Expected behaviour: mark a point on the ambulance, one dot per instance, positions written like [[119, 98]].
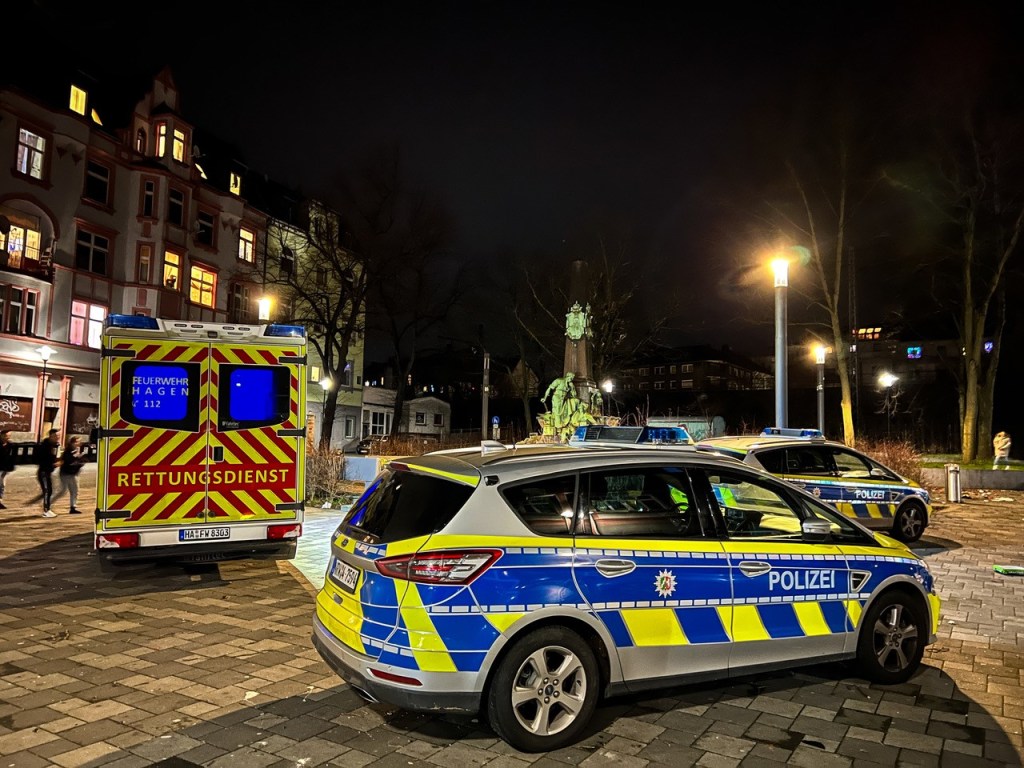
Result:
[[201, 440]]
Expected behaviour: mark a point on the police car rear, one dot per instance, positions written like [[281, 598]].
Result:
[[528, 583]]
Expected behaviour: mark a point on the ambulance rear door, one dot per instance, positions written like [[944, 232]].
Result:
[[153, 451], [257, 431]]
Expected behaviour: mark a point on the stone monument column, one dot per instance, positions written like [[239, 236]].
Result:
[[578, 333]]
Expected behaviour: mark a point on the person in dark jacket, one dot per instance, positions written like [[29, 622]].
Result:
[[6, 461], [71, 462], [46, 461]]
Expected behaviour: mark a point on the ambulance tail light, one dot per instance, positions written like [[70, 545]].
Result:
[[292, 531], [117, 541], [453, 567]]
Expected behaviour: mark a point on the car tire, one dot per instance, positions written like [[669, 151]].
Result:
[[909, 523], [544, 690], [892, 638]]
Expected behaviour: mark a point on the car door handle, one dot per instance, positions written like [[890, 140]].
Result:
[[754, 568], [613, 568]]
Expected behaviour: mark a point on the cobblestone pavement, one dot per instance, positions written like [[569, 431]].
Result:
[[212, 665]]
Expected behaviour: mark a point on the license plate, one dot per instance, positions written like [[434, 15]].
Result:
[[345, 575], [203, 534]]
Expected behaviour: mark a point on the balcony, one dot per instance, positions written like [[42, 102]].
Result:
[[21, 262]]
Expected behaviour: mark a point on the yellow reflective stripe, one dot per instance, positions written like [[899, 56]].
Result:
[[428, 648], [934, 603], [747, 624], [343, 621], [875, 510], [502, 621], [471, 480], [653, 626], [812, 620], [853, 610]]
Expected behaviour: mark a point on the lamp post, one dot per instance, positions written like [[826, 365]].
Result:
[[887, 379], [780, 267], [263, 307], [607, 386], [819, 360], [45, 352], [326, 384]]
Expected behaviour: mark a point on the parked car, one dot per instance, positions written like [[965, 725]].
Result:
[[527, 583], [854, 483]]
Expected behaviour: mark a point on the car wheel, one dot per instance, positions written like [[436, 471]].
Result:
[[909, 523], [892, 638], [544, 690]]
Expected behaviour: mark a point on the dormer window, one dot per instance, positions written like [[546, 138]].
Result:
[[179, 145], [161, 139], [140, 141], [235, 184], [78, 100]]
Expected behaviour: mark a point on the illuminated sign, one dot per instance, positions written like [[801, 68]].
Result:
[[159, 392]]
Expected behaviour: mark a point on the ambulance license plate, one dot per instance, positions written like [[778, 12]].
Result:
[[203, 534], [345, 575]]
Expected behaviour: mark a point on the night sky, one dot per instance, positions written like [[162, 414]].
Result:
[[537, 122]]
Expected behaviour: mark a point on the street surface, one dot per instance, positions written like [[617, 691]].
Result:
[[213, 665]]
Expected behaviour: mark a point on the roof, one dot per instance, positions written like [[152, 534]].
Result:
[[746, 443]]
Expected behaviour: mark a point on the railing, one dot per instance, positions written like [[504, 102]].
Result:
[[18, 262]]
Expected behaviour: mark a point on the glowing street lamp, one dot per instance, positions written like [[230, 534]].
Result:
[[326, 385], [608, 386], [45, 352], [780, 268], [886, 380], [263, 306]]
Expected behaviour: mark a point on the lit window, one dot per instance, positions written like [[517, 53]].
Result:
[[97, 182], [205, 227], [91, 252], [140, 141], [95, 117], [202, 173], [161, 139], [86, 323], [172, 267], [145, 266], [178, 150], [22, 246], [421, 418], [246, 244], [31, 152], [314, 373], [176, 207], [913, 353], [78, 99], [203, 287], [236, 184]]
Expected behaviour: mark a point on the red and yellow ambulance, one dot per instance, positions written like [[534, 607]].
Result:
[[201, 446]]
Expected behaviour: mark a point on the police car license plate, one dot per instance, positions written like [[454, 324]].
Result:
[[203, 534], [345, 575]]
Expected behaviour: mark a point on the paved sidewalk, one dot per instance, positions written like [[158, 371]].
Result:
[[212, 665]]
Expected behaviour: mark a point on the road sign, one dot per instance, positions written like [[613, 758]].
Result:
[[495, 421]]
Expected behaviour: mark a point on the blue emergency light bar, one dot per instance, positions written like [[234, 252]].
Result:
[[631, 435], [285, 330], [791, 432], [139, 322]]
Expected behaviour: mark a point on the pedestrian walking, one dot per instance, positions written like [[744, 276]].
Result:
[[6, 461], [46, 461], [71, 462], [1001, 446]]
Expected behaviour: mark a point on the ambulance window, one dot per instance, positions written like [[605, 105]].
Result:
[[253, 396], [158, 394]]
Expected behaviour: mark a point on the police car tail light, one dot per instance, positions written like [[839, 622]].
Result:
[[454, 567], [292, 531], [117, 541]]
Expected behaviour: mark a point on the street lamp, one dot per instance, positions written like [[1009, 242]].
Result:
[[819, 358], [263, 307], [886, 380], [45, 352], [608, 386], [326, 384], [780, 267]]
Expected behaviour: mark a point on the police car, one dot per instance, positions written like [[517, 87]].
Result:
[[528, 583], [855, 484]]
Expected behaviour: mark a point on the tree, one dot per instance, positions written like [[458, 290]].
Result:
[[322, 284]]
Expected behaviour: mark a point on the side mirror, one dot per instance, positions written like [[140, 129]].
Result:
[[815, 530], [881, 474]]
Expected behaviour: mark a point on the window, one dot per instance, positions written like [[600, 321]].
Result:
[[246, 244], [321, 277], [659, 385], [639, 503], [645, 385], [97, 183], [161, 139], [140, 141], [91, 252], [253, 396], [86, 323], [773, 461], [314, 373], [686, 384], [178, 148], [546, 506], [78, 99], [235, 184], [645, 371], [172, 269], [377, 423], [350, 427], [144, 267], [346, 374], [807, 461], [203, 286], [659, 369], [22, 246], [673, 384], [163, 395], [913, 353], [421, 419], [239, 305], [752, 508], [850, 464], [438, 419], [205, 227], [287, 260], [688, 368], [176, 207], [148, 198], [31, 153], [671, 369]]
